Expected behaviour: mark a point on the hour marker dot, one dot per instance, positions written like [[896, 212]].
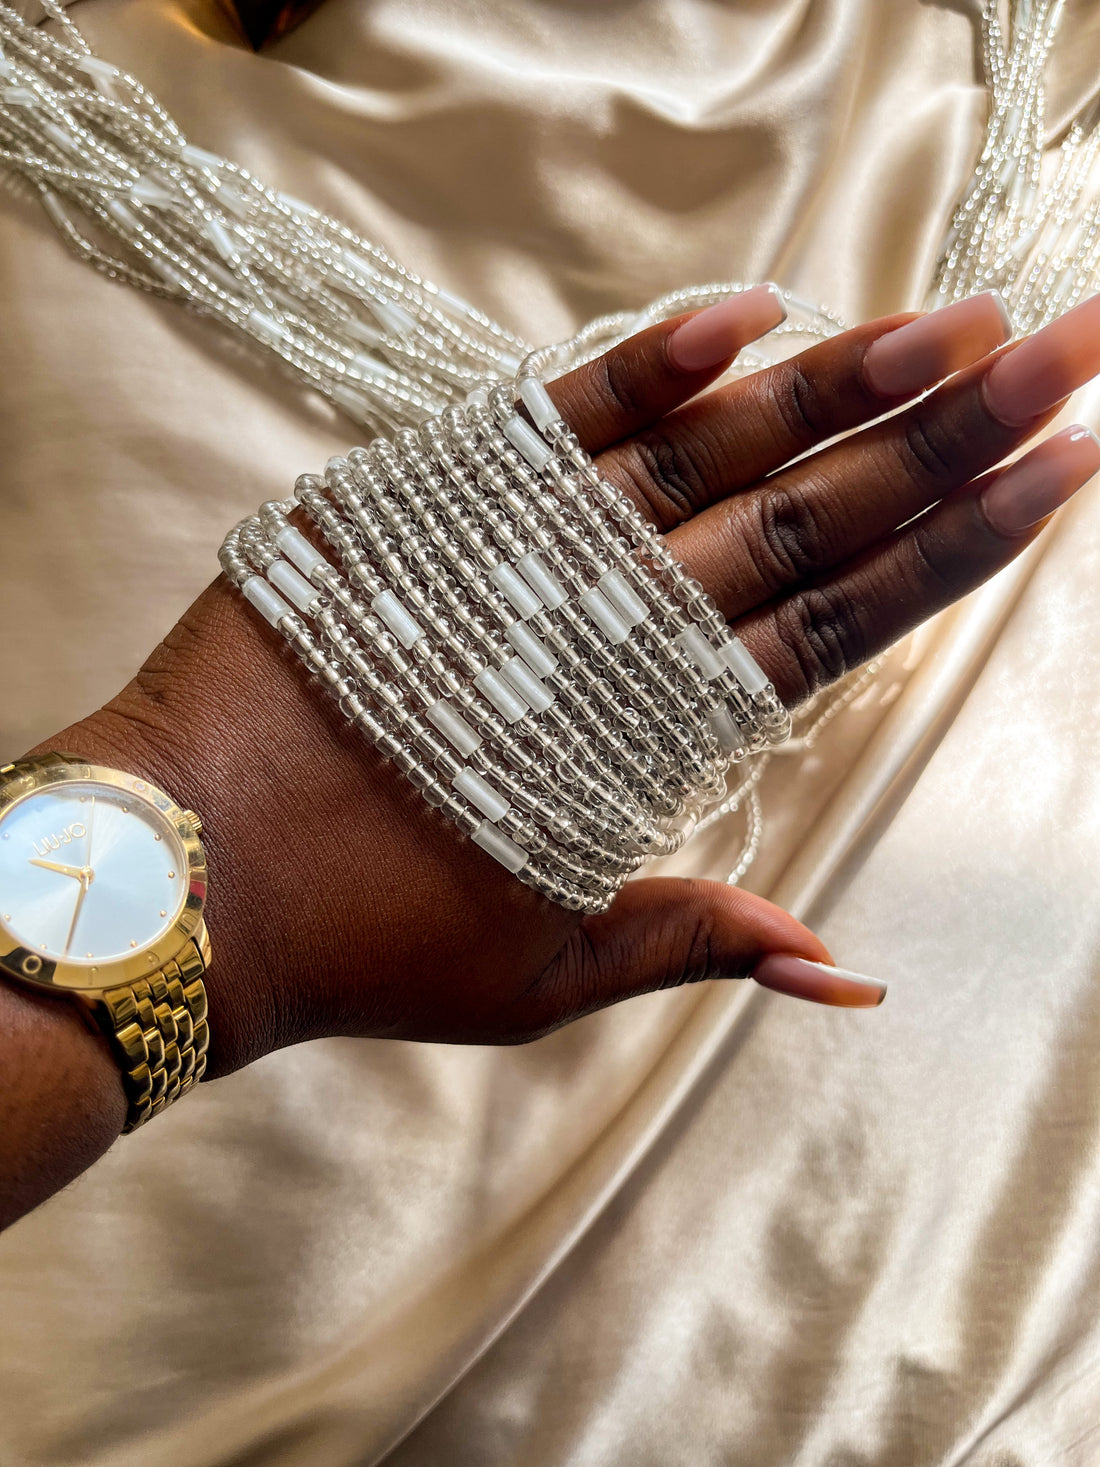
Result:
[[156, 837], [170, 875], [133, 942], [89, 955], [125, 809], [7, 916], [83, 799], [7, 835], [163, 911]]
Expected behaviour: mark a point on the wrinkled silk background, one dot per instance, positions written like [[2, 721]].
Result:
[[710, 1227]]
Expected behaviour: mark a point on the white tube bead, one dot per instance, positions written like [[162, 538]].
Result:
[[266, 600], [230, 199], [267, 327], [120, 214], [225, 278], [297, 548], [292, 584], [515, 589], [538, 403], [394, 318], [531, 649], [493, 841], [296, 206], [5, 66], [221, 239], [478, 397], [502, 695], [481, 794], [527, 684], [55, 209], [363, 331], [358, 266], [405, 628], [454, 302], [542, 580], [103, 75], [149, 191], [523, 437], [696, 646], [453, 727], [600, 609], [63, 139], [353, 403], [171, 274], [744, 666], [623, 597], [510, 363], [200, 158], [725, 730], [368, 365], [18, 96]]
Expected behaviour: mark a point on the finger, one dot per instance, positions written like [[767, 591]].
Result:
[[743, 431], [823, 511], [810, 639], [664, 932], [651, 373]]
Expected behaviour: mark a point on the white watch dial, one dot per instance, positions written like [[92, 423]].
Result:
[[88, 873]]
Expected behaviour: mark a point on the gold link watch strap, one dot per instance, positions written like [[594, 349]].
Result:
[[157, 1028]]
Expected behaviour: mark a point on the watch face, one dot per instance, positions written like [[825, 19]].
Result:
[[89, 873]]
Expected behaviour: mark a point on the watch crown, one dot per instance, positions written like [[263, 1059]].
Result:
[[195, 821]]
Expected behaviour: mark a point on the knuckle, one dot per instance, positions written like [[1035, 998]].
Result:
[[935, 578], [669, 475], [788, 535], [565, 989], [615, 380], [925, 448], [805, 409], [693, 961], [822, 631]]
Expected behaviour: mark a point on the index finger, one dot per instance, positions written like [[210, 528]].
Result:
[[643, 378]]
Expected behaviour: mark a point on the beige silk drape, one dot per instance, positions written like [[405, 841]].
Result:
[[710, 1226]]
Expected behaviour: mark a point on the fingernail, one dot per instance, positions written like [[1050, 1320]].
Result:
[[927, 350], [1036, 484], [1046, 367], [718, 333], [818, 982]]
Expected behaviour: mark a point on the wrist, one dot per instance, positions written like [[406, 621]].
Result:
[[164, 727]]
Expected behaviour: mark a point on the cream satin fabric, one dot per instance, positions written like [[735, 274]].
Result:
[[711, 1226]]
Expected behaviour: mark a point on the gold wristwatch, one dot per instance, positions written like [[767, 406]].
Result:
[[102, 888]]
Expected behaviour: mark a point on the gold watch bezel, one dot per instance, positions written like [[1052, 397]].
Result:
[[27, 966]]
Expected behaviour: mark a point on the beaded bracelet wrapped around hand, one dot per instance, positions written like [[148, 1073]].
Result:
[[511, 633]]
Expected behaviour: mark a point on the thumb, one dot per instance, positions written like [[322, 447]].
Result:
[[666, 931]]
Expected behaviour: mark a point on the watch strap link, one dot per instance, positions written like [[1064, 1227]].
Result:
[[158, 1030]]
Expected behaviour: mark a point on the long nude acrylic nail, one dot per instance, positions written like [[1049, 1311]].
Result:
[[718, 333], [923, 352], [818, 982], [1036, 484], [1046, 367]]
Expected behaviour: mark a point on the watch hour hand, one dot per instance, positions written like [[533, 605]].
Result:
[[77, 871]]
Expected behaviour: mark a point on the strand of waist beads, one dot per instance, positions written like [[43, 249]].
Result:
[[508, 630]]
